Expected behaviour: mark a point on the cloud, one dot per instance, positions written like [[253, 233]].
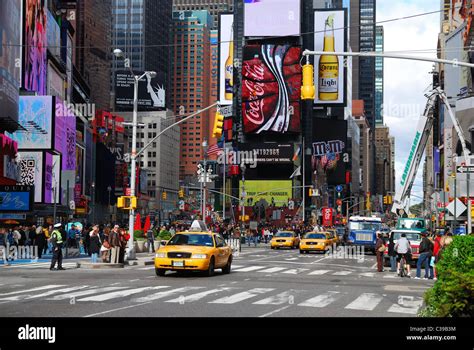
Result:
[[405, 82]]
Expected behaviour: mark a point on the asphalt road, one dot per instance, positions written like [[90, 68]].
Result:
[[263, 283]]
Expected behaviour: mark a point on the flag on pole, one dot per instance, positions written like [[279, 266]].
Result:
[[297, 153], [297, 172], [213, 150]]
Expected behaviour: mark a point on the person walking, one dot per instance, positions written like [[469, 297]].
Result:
[[426, 251], [436, 251], [94, 244], [392, 253], [105, 249], [151, 240], [57, 244], [40, 241], [380, 250], [255, 237], [123, 237], [266, 234], [403, 250], [114, 241]]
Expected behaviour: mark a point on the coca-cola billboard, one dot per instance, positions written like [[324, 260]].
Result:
[[271, 85], [328, 214]]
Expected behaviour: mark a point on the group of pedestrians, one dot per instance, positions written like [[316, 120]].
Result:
[[430, 252], [27, 236]]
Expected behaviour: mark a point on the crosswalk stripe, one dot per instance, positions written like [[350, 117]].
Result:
[[51, 292], [241, 296], [390, 276], [250, 268], [282, 298], [319, 272], [367, 274], [322, 300], [342, 273], [120, 294], [85, 292], [164, 294], [50, 286], [273, 269], [198, 296], [146, 268], [295, 271], [409, 305], [236, 266], [366, 301]]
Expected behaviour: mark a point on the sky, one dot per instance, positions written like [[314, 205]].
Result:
[[405, 82]]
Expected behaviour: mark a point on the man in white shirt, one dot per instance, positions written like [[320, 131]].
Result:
[[403, 249]]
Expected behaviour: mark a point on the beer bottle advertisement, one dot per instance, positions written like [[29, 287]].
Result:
[[329, 38], [226, 59], [229, 69]]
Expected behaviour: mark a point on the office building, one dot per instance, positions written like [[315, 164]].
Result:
[[379, 47], [214, 7]]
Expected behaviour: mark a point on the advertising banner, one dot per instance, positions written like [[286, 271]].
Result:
[[329, 70], [53, 35], [226, 59], [329, 149], [270, 153], [151, 94], [35, 41], [10, 62], [16, 198], [272, 18], [65, 135], [273, 192], [36, 116], [327, 214], [31, 168], [271, 85]]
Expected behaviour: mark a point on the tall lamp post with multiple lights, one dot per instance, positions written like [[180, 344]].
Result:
[[133, 157]]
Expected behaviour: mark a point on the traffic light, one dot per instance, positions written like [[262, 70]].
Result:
[[218, 125], [307, 89], [390, 199], [120, 202], [127, 202], [164, 196], [181, 193], [311, 192], [385, 199]]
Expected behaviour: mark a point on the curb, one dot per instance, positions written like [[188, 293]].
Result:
[[99, 265]]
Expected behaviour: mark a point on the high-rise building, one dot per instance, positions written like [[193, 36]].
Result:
[[379, 47], [191, 83], [384, 161], [215, 7], [366, 145], [141, 29]]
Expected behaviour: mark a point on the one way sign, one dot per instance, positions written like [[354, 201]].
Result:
[[465, 169]]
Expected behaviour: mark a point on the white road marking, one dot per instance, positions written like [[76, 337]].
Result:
[[113, 310], [367, 274], [295, 271], [241, 296], [291, 259], [319, 272], [408, 305], [342, 273], [322, 300], [51, 292], [85, 292], [279, 299], [164, 294], [198, 296], [236, 267], [366, 301], [275, 311], [273, 269], [374, 266], [250, 268], [50, 286], [146, 268], [120, 294], [390, 276]]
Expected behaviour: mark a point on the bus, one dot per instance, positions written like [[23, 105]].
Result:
[[363, 231], [413, 224]]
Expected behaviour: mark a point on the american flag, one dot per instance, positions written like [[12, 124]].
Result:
[[213, 150]]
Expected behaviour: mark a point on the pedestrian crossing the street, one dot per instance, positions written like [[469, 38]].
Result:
[[219, 296]]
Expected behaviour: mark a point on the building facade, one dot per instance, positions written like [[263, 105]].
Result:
[[384, 161], [379, 47], [215, 7]]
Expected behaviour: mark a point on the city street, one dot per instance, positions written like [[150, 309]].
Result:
[[263, 283]]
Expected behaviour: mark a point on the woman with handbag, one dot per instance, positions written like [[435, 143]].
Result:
[[105, 249], [380, 250], [94, 243]]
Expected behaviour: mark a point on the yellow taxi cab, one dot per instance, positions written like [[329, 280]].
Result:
[[287, 239], [315, 241], [333, 235], [194, 250]]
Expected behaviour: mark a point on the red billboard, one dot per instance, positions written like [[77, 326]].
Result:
[[328, 214], [271, 83]]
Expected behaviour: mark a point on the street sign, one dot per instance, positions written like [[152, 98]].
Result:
[[339, 202], [465, 169], [339, 188], [456, 206], [128, 191]]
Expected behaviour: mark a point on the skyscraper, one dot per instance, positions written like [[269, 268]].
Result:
[[141, 29], [191, 83], [379, 47], [215, 7]]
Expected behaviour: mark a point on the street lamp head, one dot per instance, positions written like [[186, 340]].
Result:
[[204, 143], [118, 53], [151, 74]]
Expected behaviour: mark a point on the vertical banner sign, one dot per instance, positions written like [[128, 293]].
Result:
[[327, 216], [271, 85], [226, 59], [329, 73]]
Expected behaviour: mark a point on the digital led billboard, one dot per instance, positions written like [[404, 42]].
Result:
[[65, 135], [16, 198], [273, 192], [226, 59], [31, 172]]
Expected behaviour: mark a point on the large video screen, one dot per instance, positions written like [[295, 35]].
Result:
[[271, 85], [329, 70], [273, 192], [226, 59], [65, 135], [272, 18], [36, 43], [329, 148]]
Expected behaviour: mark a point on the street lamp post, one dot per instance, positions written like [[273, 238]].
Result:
[[93, 202], [243, 167], [109, 189], [133, 157], [203, 198]]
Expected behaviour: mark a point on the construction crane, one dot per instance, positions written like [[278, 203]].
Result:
[[425, 125]]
